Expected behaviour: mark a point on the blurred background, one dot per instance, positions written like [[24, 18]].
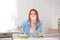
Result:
[[14, 12]]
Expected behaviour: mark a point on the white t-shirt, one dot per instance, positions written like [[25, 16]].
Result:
[[31, 31]]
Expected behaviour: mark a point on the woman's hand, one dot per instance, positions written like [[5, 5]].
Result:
[[41, 34]]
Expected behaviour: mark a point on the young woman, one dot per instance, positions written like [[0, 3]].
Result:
[[32, 26]]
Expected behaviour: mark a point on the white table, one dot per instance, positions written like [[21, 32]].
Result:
[[51, 38], [15, 37]]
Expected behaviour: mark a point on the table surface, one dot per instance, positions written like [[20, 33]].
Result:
[[50, 38]]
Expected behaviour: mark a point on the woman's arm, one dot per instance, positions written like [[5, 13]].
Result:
[[22, 27], [39, 29]]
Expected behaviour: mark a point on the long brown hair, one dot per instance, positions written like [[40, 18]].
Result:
[[36, 14]]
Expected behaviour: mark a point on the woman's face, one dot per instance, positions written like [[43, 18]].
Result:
[[33, 15]]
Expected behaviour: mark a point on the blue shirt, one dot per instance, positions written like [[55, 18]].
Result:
[[26, 28]]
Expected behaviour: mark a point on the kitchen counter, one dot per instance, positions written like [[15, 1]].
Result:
[[50, 38]]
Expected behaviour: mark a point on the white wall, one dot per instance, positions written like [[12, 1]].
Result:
[[55, 12]]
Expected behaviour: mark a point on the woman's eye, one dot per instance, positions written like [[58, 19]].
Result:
[[31, 14]]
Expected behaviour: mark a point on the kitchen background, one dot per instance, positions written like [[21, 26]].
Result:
[[13, 12]]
